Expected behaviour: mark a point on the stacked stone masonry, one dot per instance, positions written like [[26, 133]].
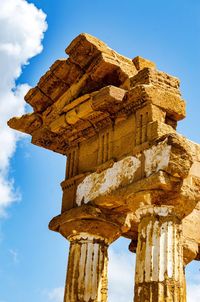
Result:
[[128, 172]]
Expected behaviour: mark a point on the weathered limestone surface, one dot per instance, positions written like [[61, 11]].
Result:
[[90, 231], [87, 269], [115, 120], [159, 264]]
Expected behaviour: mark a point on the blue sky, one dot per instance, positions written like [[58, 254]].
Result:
[[33, 259]]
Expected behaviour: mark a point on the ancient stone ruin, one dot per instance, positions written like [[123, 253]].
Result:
[[128, 173]]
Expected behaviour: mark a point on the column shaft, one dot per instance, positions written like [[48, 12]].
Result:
[[87, 269], [159, 261]]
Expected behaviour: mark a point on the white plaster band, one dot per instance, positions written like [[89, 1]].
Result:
[[87, 238], [123, 173], [99, 184], [162, 211], [157, 157]]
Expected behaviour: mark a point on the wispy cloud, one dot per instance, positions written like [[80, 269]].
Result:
[[121, 275], [193, 292], [121, 271], [22, 27], [15, 256], [193, 281], [121, 278], [56, 294]]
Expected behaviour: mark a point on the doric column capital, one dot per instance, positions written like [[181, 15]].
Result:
[[91, 220], [83, 237], [160, 211]]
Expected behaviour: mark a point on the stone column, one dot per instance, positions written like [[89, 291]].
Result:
[[159, 257], [90, 232], [87, 269]]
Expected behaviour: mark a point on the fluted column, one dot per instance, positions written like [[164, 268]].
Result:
[[87, 269], [90, 232], [159, 257]]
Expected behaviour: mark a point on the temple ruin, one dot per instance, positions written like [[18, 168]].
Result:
[[128, 172]]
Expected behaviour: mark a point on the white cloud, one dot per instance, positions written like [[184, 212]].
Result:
[[193, 292], [15, 256], [193, 281], [56, 294], [121, 271], [121, 277], [22, 27]]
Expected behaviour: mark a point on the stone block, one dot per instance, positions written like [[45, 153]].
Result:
[[27, 123], [52, 86], [37, 99], [66, 71], [169, 102], [107, 98], [141, 63]]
